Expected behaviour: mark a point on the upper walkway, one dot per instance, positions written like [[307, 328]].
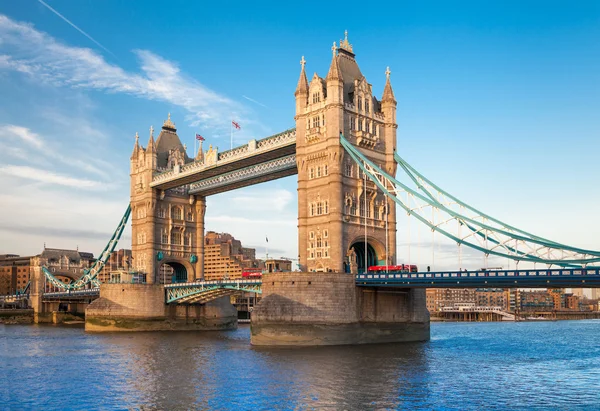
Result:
[[258, 161]]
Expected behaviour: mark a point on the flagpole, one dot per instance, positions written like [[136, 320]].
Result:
[[194, 153], [231, 129]]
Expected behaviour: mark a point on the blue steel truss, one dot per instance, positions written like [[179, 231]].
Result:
[[90, 276], [447, 215], [201, 292], [548, 278]]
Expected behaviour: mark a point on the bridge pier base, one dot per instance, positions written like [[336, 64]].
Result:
[[306, 309], [141, 307]]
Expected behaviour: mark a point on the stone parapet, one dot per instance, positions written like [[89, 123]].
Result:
[[300, 309]]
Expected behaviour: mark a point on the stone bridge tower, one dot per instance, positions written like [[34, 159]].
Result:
[[334, 202], [167, 226]]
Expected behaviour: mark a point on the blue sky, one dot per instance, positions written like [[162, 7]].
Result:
[[498, 102]]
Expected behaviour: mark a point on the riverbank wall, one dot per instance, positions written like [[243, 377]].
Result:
[[16, 316]]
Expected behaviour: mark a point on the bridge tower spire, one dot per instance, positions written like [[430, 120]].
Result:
[[335, 205], [302, 88]]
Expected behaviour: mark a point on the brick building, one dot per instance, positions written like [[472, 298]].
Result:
[[120, 260], [225, 256], [15, 272]]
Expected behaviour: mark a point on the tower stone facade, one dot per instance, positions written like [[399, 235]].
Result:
[[167, 225], [335, 202]]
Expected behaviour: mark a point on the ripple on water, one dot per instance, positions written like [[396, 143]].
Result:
[[465, 366]]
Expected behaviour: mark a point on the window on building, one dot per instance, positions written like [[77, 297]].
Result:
[[312, 209], [161, 212], [352, 125], [326, 207], [325, 170], [326, 253], [360, 103], [323, 120], [176, 213], [360, 125], [312, 235], [367, 106], [164, 237], [176, 238], [348, 169], [352, 209], [319, 208], [325, 233], [318, 254], [312, 173], [374, 129]]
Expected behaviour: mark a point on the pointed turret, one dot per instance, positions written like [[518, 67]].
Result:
[[136, 146], [334, 69], [388, 93], [200, 154], [302, 87], [151, 145]]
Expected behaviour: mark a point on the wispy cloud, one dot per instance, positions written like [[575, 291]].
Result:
[[44, 176], [254, 101], [75, 27], [35, 141], [40, 56]]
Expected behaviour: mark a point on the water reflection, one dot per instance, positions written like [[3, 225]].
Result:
[[464, 366]]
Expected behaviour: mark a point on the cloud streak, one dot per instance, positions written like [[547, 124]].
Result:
[[45, 176], [33, 140], [75, 27], [254, 101], [40, 56]]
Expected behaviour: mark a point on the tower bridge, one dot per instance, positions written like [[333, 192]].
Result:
[[343, 150]]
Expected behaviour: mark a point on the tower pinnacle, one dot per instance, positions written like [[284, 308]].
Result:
[[345, 44], [388, 93], [302, 81], [136, 146], [334, 70]]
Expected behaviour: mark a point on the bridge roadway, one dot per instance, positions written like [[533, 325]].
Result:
[[199, 292], [544, 278]]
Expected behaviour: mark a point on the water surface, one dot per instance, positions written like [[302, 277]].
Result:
[[465, 366]]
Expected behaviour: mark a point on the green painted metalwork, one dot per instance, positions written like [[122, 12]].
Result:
[[205, 291], [90, 275], [519, 255]]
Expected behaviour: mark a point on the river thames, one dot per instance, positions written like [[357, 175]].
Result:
[[465, 366]]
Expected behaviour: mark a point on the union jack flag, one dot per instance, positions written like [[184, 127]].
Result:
[[199, 137], [236, 125]]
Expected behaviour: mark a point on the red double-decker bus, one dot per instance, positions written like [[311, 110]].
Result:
[[402, 268], [252, 273]]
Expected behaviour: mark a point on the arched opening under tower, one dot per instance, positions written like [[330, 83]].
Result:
[[173, 272], [359, 250]]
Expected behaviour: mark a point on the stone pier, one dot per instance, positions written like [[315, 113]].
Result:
[[141, 307], [303, 309]]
